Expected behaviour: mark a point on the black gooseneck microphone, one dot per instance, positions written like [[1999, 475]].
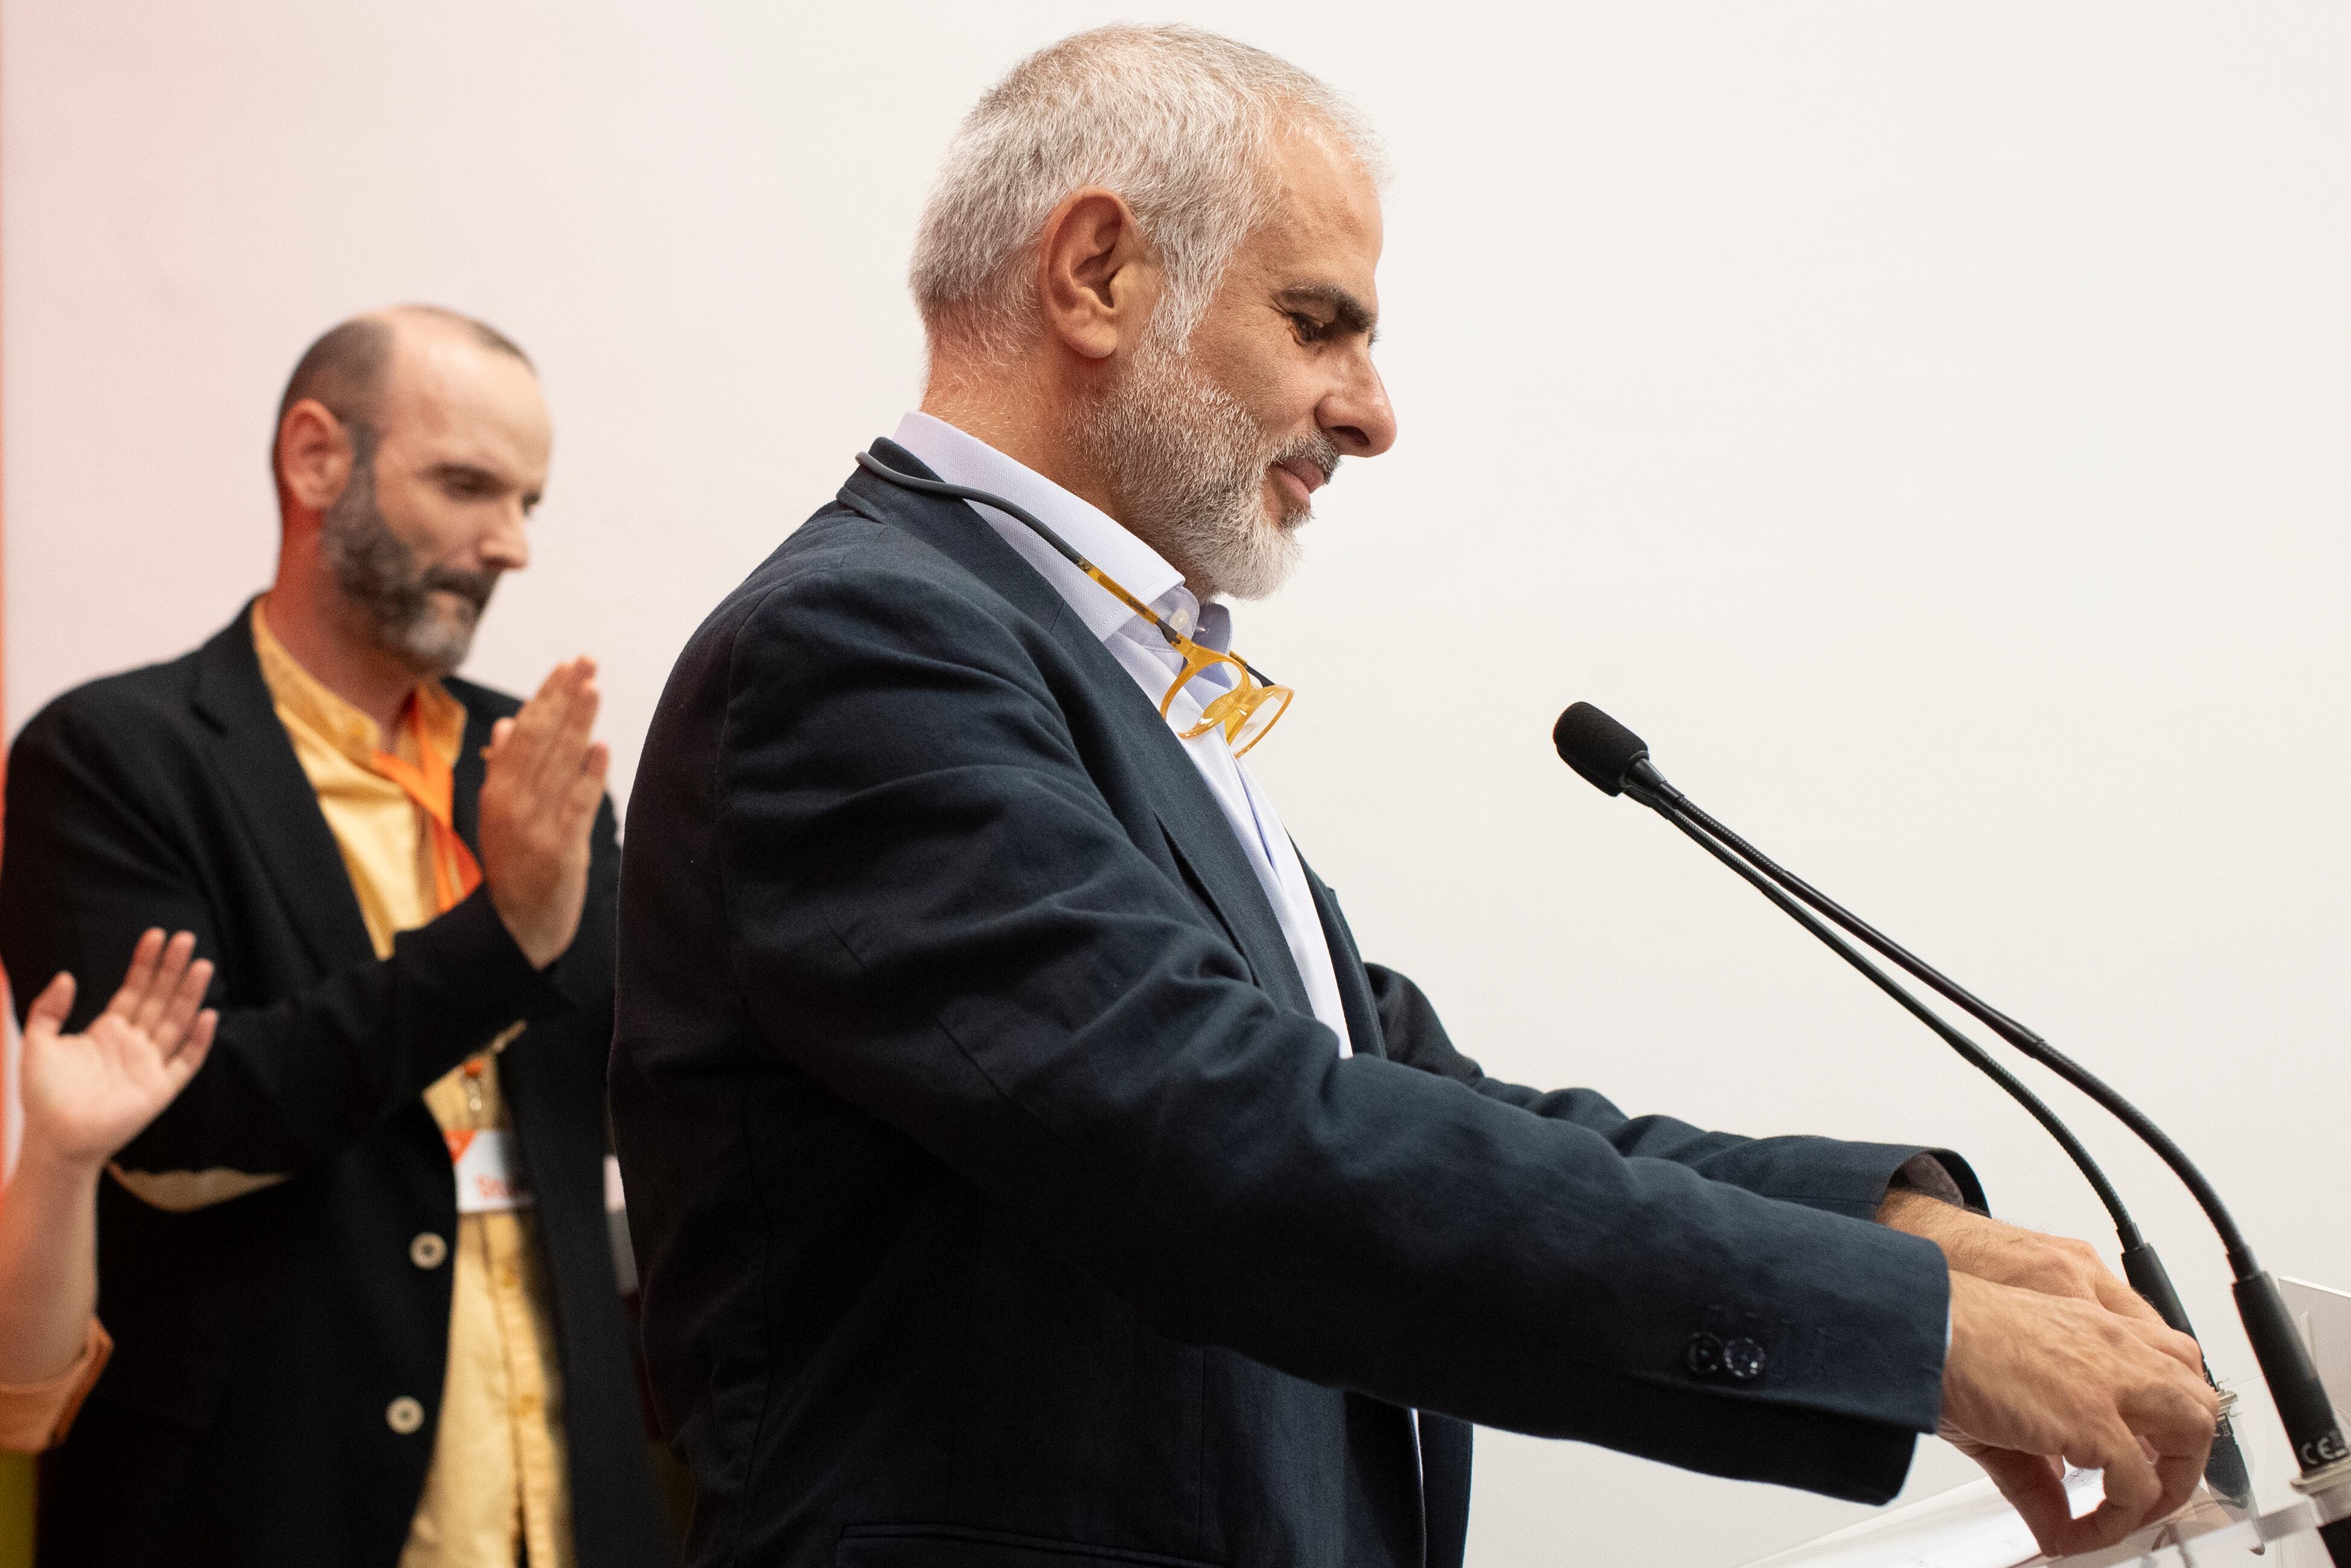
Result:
[[1613, 760], [1616, 760]]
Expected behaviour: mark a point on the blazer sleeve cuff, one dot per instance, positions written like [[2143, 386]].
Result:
[[468, 955], [1853, 1179], [582, 977]]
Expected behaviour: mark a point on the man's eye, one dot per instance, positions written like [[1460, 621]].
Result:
[[1309, 329]]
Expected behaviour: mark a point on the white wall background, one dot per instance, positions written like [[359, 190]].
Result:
[[1926, 424]]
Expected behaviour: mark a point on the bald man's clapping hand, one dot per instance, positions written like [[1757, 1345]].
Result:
[[544, 778]]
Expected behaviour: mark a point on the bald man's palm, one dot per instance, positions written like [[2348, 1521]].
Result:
[[544, 779]]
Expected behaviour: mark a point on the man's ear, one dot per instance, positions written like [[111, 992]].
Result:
[[314, 455], [1098, 280]]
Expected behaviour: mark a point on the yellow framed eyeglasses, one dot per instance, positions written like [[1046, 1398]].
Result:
[[1234, 694]]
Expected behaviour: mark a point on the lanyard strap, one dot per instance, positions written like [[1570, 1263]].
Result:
[[432, 783]]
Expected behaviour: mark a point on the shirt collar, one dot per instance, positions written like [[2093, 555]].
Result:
[[964, 459], [295, 691]]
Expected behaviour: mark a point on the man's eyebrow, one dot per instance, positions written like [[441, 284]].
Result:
[[471, 472], [1347, 312]]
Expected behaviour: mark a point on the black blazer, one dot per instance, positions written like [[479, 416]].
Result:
[[259, 1341], [1001, 1203]]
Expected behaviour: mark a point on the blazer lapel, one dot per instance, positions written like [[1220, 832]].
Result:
[[1202, 839], [1195, 824], [1355, 985], [259, 771]]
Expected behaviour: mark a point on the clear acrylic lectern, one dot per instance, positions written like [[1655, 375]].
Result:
[[1973, 1527]]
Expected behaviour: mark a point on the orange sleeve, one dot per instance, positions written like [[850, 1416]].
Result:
[[36, 1415]]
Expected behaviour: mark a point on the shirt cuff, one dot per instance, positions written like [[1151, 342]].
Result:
[[1925, 1173], [37, 1416]]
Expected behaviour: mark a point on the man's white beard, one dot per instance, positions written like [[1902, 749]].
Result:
[[1188, 464]]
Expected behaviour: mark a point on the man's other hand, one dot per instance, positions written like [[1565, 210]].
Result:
[[2010, 1255], [88, 1095], [2034, 1382], [543, 780]]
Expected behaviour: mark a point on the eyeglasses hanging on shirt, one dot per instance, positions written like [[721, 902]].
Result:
[[1245, 710]]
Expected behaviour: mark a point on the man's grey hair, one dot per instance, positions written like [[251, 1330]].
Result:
[[1174, 120]]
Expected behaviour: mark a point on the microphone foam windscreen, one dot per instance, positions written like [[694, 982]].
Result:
[[1596, 746]]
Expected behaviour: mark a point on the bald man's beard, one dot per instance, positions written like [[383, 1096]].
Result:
[[423, 616], [1188, 464]]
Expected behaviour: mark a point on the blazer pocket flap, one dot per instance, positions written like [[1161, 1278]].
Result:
[[957, 1546]]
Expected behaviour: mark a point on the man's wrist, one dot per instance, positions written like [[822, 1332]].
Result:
[[1904, 1207], [524, 931]]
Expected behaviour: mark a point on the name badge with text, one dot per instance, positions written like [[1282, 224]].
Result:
[[489, 1179]]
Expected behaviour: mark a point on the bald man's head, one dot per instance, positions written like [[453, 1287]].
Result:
[[347, 367], [412, 447]]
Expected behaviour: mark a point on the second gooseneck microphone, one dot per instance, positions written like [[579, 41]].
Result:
[[1614, 760]]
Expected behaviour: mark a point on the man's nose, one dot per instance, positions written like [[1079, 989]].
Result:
[[1358, 415], [506, 547]]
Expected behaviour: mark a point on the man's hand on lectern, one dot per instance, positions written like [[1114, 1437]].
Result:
[[542, 782], [2034, 1381], [2010, 1255]]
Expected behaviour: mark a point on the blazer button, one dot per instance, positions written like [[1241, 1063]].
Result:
[[1743, 1359], [1704, 1356], [404, 1416], [427, 1250]]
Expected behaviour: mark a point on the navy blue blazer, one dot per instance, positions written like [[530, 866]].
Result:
[[1000, 1200]]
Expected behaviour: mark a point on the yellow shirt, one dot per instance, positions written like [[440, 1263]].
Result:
[[498, 1478]]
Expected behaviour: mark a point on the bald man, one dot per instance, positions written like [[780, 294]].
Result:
[[358, 1276]]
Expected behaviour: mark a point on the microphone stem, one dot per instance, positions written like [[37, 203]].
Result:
[[2126, 1230], [2241, 1264]]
